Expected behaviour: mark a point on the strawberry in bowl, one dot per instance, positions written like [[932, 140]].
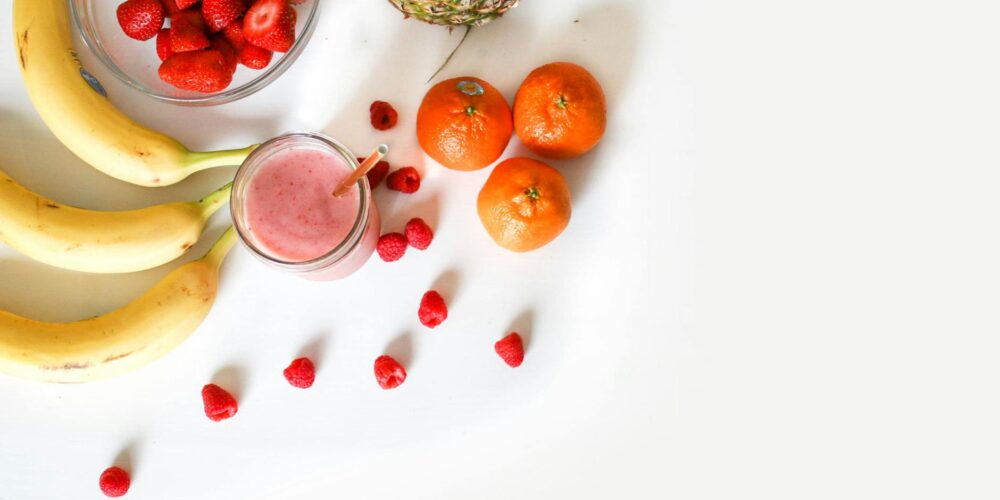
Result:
[[202, 43]]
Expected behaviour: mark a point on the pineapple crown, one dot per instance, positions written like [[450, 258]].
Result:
[[453, 13]]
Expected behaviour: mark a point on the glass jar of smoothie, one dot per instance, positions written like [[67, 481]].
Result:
[[285, 212]]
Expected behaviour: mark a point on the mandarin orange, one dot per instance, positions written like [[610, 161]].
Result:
[[464, 123], [560, 111], [524, 204]]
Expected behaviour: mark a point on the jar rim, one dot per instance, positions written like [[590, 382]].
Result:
[[242, 180]]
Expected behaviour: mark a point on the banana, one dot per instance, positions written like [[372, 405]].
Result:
[[101, 242], [75, 107], [118, 342]]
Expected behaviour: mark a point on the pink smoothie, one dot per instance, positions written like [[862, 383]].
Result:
[[290, 209]]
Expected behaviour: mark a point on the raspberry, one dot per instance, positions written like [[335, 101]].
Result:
[[114, 481], [510, 349], [432, 310], [383, 115], [301, 373], [219, 404], [419, 234], [391, 246], [404, 180], [377, 173], [388, 372]]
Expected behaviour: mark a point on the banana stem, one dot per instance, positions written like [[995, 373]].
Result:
[[218, 252], [196, 162], [211, 203]]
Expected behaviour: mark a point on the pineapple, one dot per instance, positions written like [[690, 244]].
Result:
[[453, 13]]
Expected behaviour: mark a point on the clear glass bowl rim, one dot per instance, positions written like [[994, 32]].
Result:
[[92, 42]]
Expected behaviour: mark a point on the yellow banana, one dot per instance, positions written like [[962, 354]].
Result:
[[74, 106], [118, 342], [101, 242]]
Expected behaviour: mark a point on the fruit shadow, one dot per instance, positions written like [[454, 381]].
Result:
[[611, 46], [401, 349], [232, 378], [448, 284], [126, 457], [315, 350], [523, 324]]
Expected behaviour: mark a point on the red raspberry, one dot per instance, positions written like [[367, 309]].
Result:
[[404, 180], [114, 481], [219, 404], [391, 246], [377, 173], [510, 349], [383, 115], [388, 372], [419, 234], [432, 310], [301, 373]]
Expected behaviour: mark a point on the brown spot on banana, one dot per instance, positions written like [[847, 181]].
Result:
[[186, 246], [116, 357], [22, 46], [68, 366]]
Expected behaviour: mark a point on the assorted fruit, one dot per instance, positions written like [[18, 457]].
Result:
[[559, 112], [203, 45]]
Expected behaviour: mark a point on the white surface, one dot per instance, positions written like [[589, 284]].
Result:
[[780, 280]]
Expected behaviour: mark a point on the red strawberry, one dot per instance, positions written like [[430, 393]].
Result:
[[163, 44], [221, 13], [171, 8], [141, 19], [200, 71], [183, 4], [229, 54], [270, 24], [377, 173], [510, 349], [255, 57], [234, 33], [187, 31]]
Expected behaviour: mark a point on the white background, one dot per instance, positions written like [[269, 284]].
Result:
[[780, 280]]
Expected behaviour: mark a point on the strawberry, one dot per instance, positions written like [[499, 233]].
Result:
[[170, 7], [234, 33], [255, 57], [221, 13], [140, 19], [163, 44], [187, 31], [183, 4], [200, 71], [270, 24], [229, 53]]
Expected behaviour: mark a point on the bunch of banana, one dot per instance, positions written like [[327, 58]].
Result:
[[75, 108], [101, 242], [120, 341]]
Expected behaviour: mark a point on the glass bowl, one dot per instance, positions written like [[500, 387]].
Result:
[[136, 63]]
